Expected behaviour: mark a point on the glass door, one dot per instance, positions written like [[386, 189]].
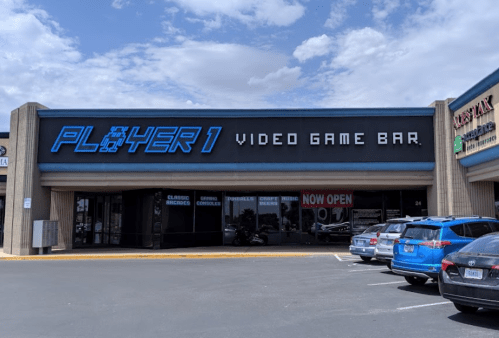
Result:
[[97, 220], [84, 221]]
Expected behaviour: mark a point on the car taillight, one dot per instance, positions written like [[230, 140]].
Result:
[[435, 244], [396, 241], [378, 233], [446, 264], [495, 267], [373, 241]]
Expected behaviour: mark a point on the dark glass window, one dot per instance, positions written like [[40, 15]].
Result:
[[458, 229], [208, 212], [178, 212], [476, 230]]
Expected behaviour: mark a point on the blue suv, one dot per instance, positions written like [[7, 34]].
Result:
[[418, 253]]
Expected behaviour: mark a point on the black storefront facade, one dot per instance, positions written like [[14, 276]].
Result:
[[228, 142]]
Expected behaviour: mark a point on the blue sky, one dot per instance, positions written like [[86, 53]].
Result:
[[242, 53]]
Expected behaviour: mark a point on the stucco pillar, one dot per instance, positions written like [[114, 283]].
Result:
[[23, 182], [62, 210], [452, 193]]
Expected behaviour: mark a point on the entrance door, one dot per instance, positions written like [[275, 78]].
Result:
[[97, 220]]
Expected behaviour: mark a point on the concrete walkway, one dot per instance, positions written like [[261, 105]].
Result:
[[186, 253]]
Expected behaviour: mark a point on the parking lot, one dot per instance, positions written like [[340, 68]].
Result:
[[319, 296]]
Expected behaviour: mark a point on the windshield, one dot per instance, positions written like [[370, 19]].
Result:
[[422, 233], [395, 228], [487, 245]]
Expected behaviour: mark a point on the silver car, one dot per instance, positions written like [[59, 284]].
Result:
[[364, 244], [384, 248]]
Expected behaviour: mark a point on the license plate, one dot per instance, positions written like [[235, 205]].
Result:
[[360, 242], [473, 273], [408, 248]]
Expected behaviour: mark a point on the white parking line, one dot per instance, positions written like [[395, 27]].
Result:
[[424, 305], [346, 258], [338, 258], [387, 283], [368, 270]]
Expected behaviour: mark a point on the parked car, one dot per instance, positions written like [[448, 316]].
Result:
[[418, 253], [384, 248], [364, 244], [470, 277]]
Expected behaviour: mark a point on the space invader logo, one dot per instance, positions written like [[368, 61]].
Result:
[[458, 144]]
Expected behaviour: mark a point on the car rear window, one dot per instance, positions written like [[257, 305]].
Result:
[[374, 228], [422, 233], [395, 228], [487, 245]]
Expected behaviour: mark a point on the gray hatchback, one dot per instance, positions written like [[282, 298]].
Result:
[[364, 244]]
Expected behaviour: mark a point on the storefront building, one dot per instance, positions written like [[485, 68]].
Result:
[[170, 178]]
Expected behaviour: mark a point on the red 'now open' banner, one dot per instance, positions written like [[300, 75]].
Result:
[[326, 198]]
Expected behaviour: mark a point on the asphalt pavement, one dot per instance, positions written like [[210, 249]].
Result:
[[316, 295]]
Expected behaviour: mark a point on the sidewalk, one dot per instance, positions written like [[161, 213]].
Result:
[[186, 253]]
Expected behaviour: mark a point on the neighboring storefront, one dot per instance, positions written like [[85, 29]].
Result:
[[4, 161], [169, 178]]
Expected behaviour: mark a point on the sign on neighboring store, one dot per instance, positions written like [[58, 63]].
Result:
[[475, 128], [4, 161], [326, 198]]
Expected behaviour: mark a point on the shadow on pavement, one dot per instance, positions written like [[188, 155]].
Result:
[[430, 289], [483, 318]]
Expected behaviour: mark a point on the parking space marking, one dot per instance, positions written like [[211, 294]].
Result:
[[368, 270], [387, 283], [346, 258], [424, 305]]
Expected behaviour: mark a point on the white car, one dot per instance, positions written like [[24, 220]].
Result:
[[384, 247]]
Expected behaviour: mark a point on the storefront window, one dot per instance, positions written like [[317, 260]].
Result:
[[290, 213], [240, 212], [268, 218]]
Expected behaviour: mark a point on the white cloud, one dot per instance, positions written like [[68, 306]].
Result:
[[316, 46], [40, 65], [442, 51], [383, 8], [119, 4], [338, 13], [283, 79], [249, 12]]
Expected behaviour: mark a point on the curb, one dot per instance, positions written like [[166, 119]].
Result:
[[162, 256]]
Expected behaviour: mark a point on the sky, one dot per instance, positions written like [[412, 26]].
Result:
[[237, 54]]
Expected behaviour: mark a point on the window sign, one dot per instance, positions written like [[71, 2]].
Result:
[[326, 198], [178, 200]]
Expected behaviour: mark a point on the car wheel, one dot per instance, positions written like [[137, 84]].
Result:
[[365, 259], [466, 308], [236, 242], [415, 280]]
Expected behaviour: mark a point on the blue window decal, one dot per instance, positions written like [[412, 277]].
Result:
[[114, 139], [68, 135], [161, 140], [186, 136], [135, 139], [83, 146], [213, 134]]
